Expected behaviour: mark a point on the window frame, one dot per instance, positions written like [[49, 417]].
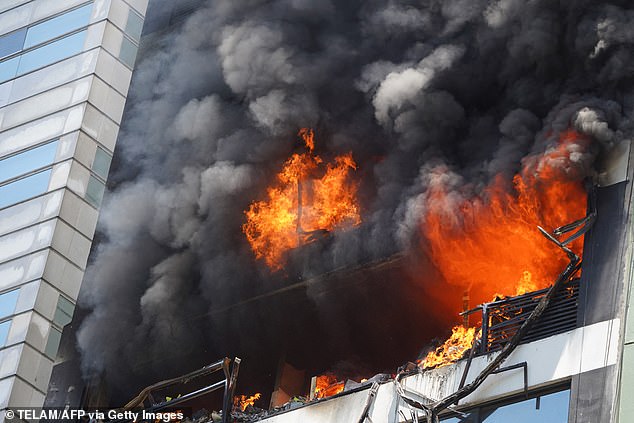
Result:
[[477, 410], [16, 57]]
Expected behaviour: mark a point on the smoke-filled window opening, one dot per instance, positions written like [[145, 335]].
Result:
[[550, 405]]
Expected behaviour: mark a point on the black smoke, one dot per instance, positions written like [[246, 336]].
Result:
[[406, 86]]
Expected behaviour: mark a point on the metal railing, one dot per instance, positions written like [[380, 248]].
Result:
[[502, 319], [145, 399]]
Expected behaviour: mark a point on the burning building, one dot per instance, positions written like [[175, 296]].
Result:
[[327, 189]]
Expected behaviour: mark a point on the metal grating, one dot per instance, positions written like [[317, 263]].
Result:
[[501, 319]]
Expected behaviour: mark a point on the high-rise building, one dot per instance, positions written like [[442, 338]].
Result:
[[65, 69]]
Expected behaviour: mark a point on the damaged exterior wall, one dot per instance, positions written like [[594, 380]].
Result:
[[588, 359], [551, 361]]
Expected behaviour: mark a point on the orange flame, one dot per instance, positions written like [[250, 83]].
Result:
[[490, 244], [301, 205], [460, 341], [242, 401], [327, 385]]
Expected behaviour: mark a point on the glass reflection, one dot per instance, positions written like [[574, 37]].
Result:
[[24, 188], [9, 68], [4, 332], [134, 25], [52, 52], [27, 161], [12, 42], [101, 163], [128, 52], [52, 344], [63, 312], [94, 191], [551, 408], [8, 300], [57, 26]]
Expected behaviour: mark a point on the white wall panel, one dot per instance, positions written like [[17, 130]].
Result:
[[16, 272], [26, 240], [48, 78], [63, 274], [41, 130], [100, 128], [46, 103], [30, 212]]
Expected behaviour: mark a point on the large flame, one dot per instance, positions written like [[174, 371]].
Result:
[[460, 341], [489, 244], [301, 204], [327, 385]]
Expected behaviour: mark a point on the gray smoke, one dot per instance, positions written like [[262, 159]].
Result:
[[421, 92]]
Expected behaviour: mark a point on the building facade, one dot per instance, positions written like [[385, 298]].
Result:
[[65, 69]]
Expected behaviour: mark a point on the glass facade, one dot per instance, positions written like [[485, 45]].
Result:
[[27, 161], [65, 68], [551, 408]]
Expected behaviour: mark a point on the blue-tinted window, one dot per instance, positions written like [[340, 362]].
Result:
[[52, 52], [466, 418], [27, 161], [24, 188], [57, 26], [12, 42], [9, 68], [551, 408], [4, 332], [8, 300]]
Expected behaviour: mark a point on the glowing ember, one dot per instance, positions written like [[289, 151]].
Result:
[[327, 386], [301, 205], [242, 401], [460, 341], [490, 244]]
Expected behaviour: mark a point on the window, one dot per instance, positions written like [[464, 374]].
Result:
[[4, 332], [54, 337], [57, 26], [94, 191], [52, 52], [134, 25], [127, 54], [27, 161], [24, 188], [8, 68], [63, 312], [12, 42], [8, 300], [39, 33], [101, 163], [42, 56], [551, 408]]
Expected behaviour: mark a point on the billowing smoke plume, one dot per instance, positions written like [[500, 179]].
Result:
[[409, 87]]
